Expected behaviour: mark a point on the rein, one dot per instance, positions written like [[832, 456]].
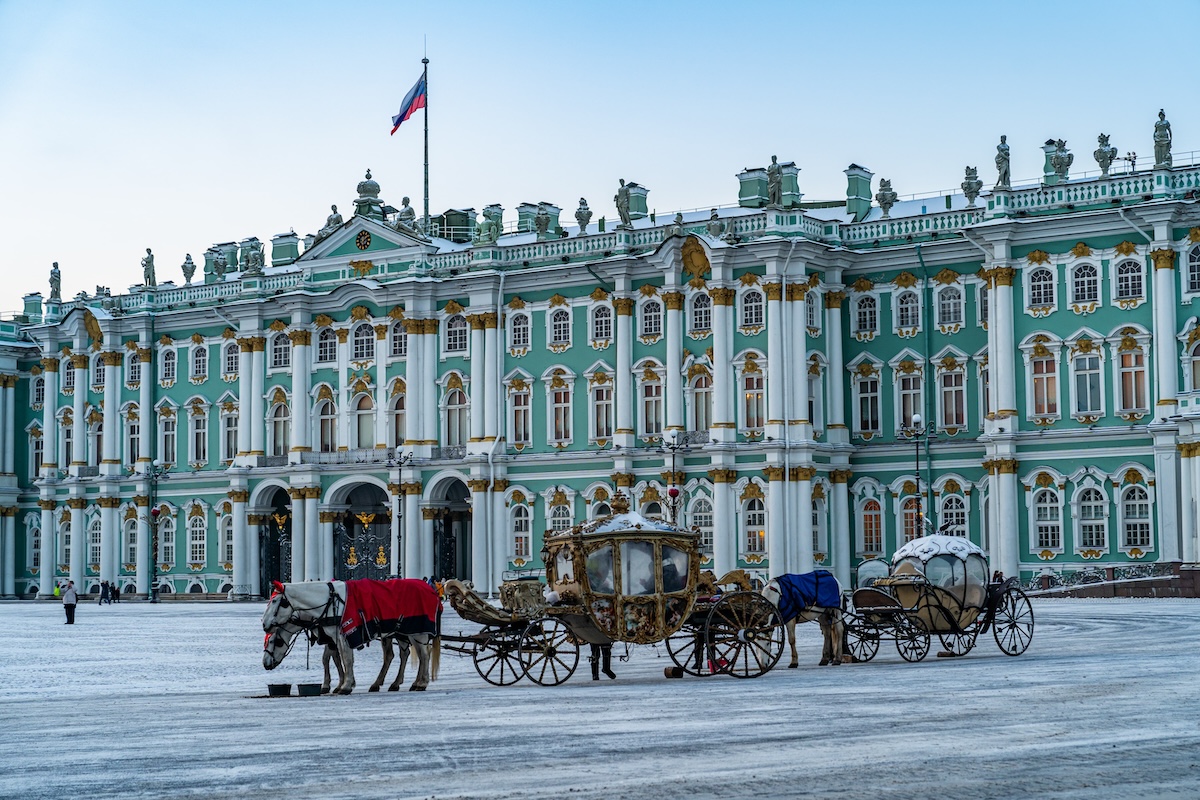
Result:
[[322, 618]]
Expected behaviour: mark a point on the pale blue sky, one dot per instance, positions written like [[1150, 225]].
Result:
[[126, 125]]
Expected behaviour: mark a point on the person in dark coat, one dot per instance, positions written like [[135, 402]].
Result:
[[115, 593], [602, 660], [105, 597], [69, 598]]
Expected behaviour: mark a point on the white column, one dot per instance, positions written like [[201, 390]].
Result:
[[623, 381], [499, 538], [479, 530], [299, 545], [110, 463], [427, 548], [395, 502], [428, 383], [836, 413], [109, 538], [78, 422], [804, 527], [777, 524], [414, 406], [50, 367], [1187, 500], [325, 519], [1001, 339], [253, 537], [8, 567], [313, 550], [491, 378], [412, 530], [479, 384], [301, 386], [776, 368], [839, 529], [147, 419], [142, 501], [258, 421], [48, 559], [381, 387], [797, 333], [1166, 355], [241, 548], [1007, 535], [724, 422], [79, 543], [725, 526], [10, 423], [1171, 532], [245, 390], [674, 382]]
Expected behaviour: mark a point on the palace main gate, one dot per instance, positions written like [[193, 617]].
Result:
[[362, 536], [275, 543]]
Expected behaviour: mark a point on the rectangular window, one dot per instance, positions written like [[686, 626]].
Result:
[[399, 341], [168, 441], [232, 357], [652, 408], [1133, 381], [872, 521], [200, 438], [910, 399], [954, 400], [1045, 387], [326, 346], [562, 414], [756, 529], [753, 384], [133, 445], [985, 390], [1049, 536], [38, 454], [1087, 384], [602, 412], [868, 405], [520, 411], [131, 544], [135, 369], [812, 311], [230, 439]]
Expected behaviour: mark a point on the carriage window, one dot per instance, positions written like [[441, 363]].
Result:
[[637, 568], [977, 579], [564, 568], [871, 570], [674, 569], [600, 570], [912, 566], [946, 572]]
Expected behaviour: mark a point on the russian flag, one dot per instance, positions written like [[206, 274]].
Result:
[[414, 100]]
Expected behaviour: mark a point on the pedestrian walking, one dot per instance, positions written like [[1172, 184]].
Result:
[[115, 593], [69, 598], [105, 597]]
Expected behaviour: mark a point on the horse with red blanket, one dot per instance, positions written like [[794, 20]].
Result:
[[351, 614]]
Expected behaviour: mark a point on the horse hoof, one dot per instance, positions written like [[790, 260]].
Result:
[[793, 666], [416, 688], [373, 689], [824, 662], [324, 690], [393, 688]]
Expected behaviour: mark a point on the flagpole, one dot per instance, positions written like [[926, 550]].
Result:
[[425, 78]]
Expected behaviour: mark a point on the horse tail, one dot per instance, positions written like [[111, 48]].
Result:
[[437, 657]]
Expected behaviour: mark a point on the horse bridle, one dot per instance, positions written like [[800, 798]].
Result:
[[321, 619]]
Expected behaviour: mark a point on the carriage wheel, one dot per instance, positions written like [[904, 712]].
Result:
[[497, 659], [862, 640], [549, 653], [912, 640], [686, 648], [1013, 623], [959, 643], [744, 635]]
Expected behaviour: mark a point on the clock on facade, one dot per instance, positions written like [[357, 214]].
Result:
[[363, 240]]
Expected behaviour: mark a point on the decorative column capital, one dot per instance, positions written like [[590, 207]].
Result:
[[311, 493], [50, 364], [675, 478], [429, 513], [722, 475], [478, 484], [109, 502], [76, 502], [490, 320], [624, 306], [256, 519], [623, 480], [411, 487], [835, 299], [295, 493], [239, 495], [143, 355], [841, 475], [79, 361], [431, 326], [673, 300], [500, 485], [112, 358], [414, 327], [1163, 258], [774, 291], [327, 516], [395, 488], [1003, 276], [722, 297], [381, 331], [47, 505], [8, 511], [1006, 466], [774, 474], [796, 291], [803, 473], [475, 321], [300, 338]]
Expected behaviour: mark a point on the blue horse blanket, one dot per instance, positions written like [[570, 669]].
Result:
[[816, 588]]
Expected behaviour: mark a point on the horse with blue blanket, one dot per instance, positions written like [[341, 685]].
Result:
[[811, 596]]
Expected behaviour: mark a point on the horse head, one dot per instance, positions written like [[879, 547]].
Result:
[[279, 609], [772, 592], [277, 644]]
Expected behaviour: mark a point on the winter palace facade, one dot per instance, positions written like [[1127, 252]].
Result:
[[374, 401]]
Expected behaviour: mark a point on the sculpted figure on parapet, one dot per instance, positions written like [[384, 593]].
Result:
[[55, 283], [622, 201], [1162, 140], [407, 220], [774, 183], [148, 268], [583, 215], [332, 223], [1004, 176]]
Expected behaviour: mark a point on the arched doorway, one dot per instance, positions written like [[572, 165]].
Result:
[[362, 536], [452, 532], [275, 545]]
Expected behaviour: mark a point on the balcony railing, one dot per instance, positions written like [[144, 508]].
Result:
[[272, 461], [366, 455], [448, 453]]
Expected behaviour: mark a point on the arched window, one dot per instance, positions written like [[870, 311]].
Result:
[[39, 391], [37, 450], [229, 439], [166, 538], [911, 518], [398, 430], [701, 313], [97, 371], [281, 427], [34, 548], [1041, 288], [560, 518], [701, 518], [1087, 383], [954, 516], [399, 341], [1048, 518], [521, 528], [1135, 519], [521, 429], [985, 304], [226, 528], [1193, 269], [281, 351], [326, 426], [133, 367], [130, 530], [96, 449], [364, 422], [1045, 386], [602, 323], [652, 510], [701, 403], [456, 418], [651, 318], [326, 346], [1085, 284], [866, 315], [752, 386], [755, 526], [199, 362], [519, 331], [601, 510], [950, 306], [197, 540], [1093, 520], [908, 314], [456, 334], [168, 366], [812, 310], [1129, 280], [560, 408], [364, 342], [560, 327], [95, 547], [231, 359], [64, 543], [752, 309], [133, 436], [872, 527]]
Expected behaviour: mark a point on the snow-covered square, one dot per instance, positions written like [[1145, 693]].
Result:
[[164, 700]]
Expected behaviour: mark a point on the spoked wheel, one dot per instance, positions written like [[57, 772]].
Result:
[[862, 640], [549, 653], [1013, 623], [744, 635], [497, 660], [686, 648], [959, 643], [912, 640]]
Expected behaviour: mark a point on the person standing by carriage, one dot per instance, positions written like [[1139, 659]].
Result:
[[601, 659], [69, 598]]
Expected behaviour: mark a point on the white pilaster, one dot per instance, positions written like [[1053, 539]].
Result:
[[776, 368], [623, 381], [79, 544], [674, 383], [724, 422], [146, 416], [725, 528], [299, 545], [479, 385], [429, 386], [804, 527], [50, 368], [10, 424], [414, 398], [381, 387], [257, 421], [79, 437], [1187, 503], [396, 503], [8, 564], [1165, 305], [1007, 534], [427, 548], [301, 387], [777, 523], [479, 531], [1002, 344], [241, 547], [48, 558], [110, 451], [110, 540], [497, 556], [839, 529], [313, 561], [412, 531], [491, 378], [836, 413]]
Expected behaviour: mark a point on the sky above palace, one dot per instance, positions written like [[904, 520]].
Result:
[[173, 126]]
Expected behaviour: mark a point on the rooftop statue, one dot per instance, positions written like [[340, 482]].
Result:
[[1105, 154], [1004, 176], [1162, 140], [541, 221], [254, 259], [971, 185], [148, 269], [220, 264], [189, 269], [485, 231], [622, 200], [583, 215], [676, 228], [55, 283], [774, 184], [886, 197], [1061, 160], [714, 226], [332, 223], [406, 221]]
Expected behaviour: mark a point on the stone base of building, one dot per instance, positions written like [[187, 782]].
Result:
[[1184, 581]]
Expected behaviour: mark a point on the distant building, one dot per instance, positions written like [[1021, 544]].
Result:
[[386, 403]]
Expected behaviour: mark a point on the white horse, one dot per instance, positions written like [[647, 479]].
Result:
[[830, 618], [318, 606], [276, 647]]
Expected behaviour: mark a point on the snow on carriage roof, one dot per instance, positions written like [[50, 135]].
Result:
[[629, 521], [937, 544]]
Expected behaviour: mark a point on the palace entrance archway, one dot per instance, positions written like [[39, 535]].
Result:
[[362, 536], [452, 531], [275, 543]]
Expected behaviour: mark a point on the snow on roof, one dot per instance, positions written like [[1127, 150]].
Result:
[[629, 521], [936, 544]]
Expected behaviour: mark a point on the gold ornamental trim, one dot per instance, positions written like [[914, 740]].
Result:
[[947, 277], [722, 296], [905, 280], [1081, 250], [841, 475], [1126, 248], [774, 473], [1038, 257], [722, 475], [1163, 258], [359, 313]]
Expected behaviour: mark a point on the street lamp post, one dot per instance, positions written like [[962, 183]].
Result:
[[155, 473], [916, 434], [671, 441]]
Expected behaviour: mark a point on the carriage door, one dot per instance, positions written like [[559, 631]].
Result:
[[275, 542], [362, 537]]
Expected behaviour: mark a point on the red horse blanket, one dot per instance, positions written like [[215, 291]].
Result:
[[376, 608]]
